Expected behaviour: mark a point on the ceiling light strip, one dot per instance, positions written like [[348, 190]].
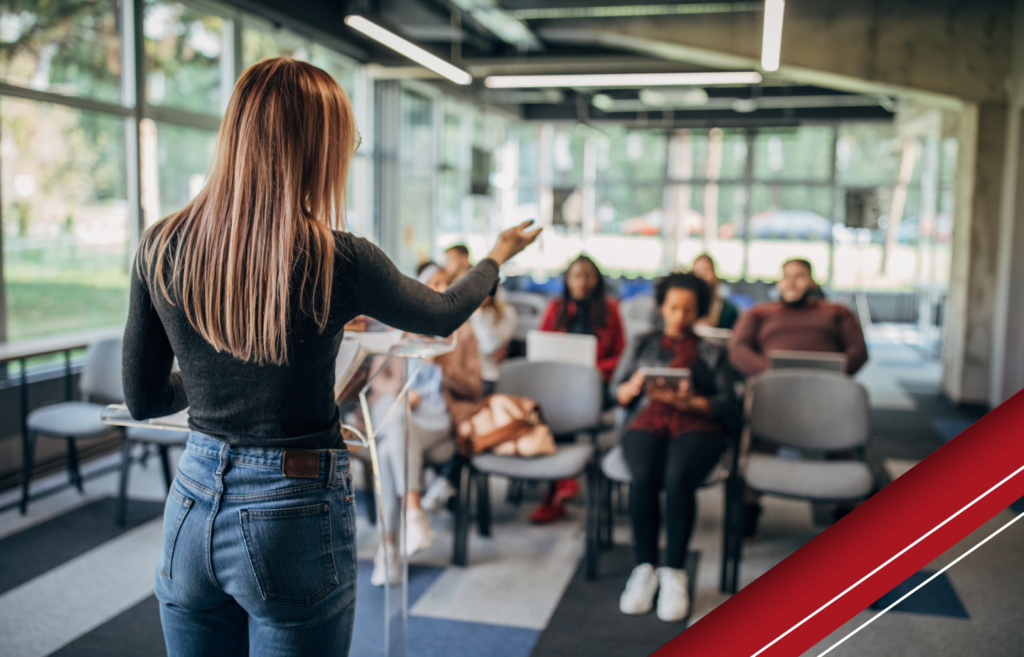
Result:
[[626, 80], [771, 40], [554, 13], [409, 49]]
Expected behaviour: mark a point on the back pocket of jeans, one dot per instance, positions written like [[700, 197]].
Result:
[[291, 553], [175, 510]]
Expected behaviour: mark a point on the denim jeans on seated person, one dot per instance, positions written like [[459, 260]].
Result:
[[255, 563]]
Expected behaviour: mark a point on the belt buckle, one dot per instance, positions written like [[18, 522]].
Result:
[[300, 463]]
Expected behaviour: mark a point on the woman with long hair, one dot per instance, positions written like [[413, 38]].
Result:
[[584, 308], [250, 286]]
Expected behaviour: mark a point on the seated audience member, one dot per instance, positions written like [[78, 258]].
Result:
[[494, 324], [674, 439], [456, 261], [584, 308], [722, 314], [801, 320], [443, 393]]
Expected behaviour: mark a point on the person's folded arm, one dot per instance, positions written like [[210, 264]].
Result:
[[853, 338], [743, 354], [404, 303], [151, 389]]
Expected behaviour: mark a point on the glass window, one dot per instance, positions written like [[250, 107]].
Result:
[[183, 57], [713, 154], [416, 201], [625, 209], [70, 48], [65, 212], [789, 221], [803, 153], [259, 43], [631, 154], [175, 162], [867, 154]]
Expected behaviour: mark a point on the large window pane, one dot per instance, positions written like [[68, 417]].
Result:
[[65, 218], [803, 153], [713, 154], [183, 57], [625, 209], [867, 154], [71, 48], [624, 154], [789, 221], [259, 43], [416, 204], [175, 161], [708, 218]]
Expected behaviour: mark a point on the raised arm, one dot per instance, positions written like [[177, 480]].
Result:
[[150, 388], [402, 302]]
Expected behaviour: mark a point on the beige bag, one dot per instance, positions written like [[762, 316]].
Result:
[[512, 423]]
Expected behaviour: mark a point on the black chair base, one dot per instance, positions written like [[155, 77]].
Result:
[[126, 466], [28, 446]]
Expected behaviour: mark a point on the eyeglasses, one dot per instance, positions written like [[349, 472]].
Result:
[[359, 141]]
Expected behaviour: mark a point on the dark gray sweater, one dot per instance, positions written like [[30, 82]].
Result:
[[290, 406]]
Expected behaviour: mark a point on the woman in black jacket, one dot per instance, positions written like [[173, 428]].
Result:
[[674, 437]]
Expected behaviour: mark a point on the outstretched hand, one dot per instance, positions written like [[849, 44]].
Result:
[[512, 241]]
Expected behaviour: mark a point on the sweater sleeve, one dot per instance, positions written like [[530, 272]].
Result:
[[401, 302], [744, 353], [150, 388], [616, 343], [550, 317], [853, 341]]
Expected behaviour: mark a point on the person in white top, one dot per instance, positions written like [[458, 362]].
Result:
[[494, 324]]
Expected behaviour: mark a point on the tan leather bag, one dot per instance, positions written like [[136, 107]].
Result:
[[510, 425]]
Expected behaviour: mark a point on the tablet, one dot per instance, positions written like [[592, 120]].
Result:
[[669, 377]]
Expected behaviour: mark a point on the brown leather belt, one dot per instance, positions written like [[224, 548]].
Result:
[[300, 463]]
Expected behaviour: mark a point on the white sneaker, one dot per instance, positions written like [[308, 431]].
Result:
[[673, 599], [638, 598], [391, 554], [418, 532], [438, 494]]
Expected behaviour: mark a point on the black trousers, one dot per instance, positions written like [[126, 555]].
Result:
[[680, 466]]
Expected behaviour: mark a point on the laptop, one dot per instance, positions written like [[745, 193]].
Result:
[[814, 360], [569, 348]]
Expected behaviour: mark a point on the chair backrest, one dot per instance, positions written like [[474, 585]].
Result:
[[639, 308], [569, 396], [527, 303], [809, 409], [101, 377]]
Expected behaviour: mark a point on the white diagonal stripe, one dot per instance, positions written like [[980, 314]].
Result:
[[48, 612]]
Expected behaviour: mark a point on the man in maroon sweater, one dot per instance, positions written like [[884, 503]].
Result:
[[801, 320]]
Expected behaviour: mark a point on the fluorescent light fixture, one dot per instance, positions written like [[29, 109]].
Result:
[[771, 40], [634, 80], [409, 49]]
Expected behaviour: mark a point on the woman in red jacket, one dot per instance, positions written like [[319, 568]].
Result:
[[585, 309]]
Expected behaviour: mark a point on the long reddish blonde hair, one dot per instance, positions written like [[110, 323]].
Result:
[[274, 196]]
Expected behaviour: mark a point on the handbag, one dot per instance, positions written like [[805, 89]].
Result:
[[508, 424]]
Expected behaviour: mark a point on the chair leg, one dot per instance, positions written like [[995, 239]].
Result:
[[74, 471], [126, 466], [28, 448], [593, 548], [515, 492], [606, 508], [483, 504], [460, 552], [371, 499], [732, 535], [165, 461]]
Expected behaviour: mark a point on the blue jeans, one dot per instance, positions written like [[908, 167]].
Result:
[[255, 563]]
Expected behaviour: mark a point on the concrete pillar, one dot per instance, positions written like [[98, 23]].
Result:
[[1008, 320], [968, 347]]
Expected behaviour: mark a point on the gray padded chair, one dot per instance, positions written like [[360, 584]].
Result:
[[76, 420], [818, 413], [101, 381], [570, 398], [529, 307]]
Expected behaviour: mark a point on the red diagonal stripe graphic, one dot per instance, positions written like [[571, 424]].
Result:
[[894, 534]]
